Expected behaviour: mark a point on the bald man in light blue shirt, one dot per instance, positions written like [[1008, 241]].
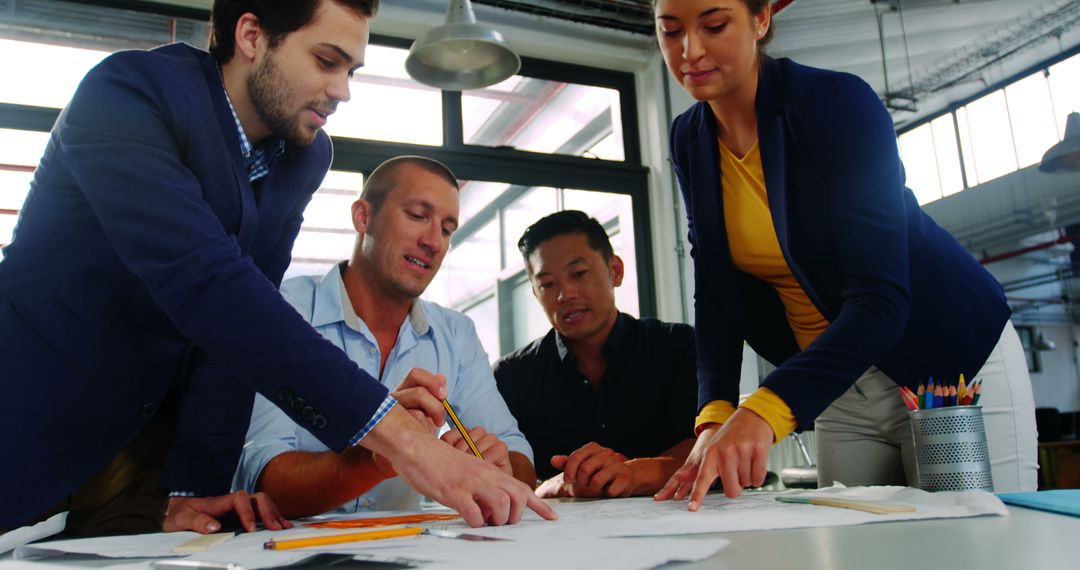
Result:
[[370, 308]]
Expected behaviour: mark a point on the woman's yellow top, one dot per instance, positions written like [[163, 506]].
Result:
[[755, 250]]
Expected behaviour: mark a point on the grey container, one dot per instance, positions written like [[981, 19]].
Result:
[[950, 449]]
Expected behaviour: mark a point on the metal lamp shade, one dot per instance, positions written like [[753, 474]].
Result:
[[1065, 155], [461, 54]]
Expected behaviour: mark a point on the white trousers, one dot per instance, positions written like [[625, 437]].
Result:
[[864, 437]]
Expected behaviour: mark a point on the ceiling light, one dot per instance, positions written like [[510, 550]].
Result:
[[461, 54], [1065, 155]]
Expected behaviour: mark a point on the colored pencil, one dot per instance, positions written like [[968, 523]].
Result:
[[341, 538]]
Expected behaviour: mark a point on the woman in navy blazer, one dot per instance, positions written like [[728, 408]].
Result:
[[899, 299]]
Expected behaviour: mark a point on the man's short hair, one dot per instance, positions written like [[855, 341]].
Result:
[[385, 177], [563, 223], [277, 18]]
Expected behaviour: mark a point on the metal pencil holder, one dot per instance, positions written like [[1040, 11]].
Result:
[[950, 449]]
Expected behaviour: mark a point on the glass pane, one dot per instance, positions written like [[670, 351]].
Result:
[[966, 151], [920, 163], [7, 228], [991, 136], [14, 185], [55, 71], [529, 320], [545, 116], [387, 104], [327, 235], [1032, 116], [20, 152], [470, 269], [484, 316], [1064, 82], [616, 213], [948, 155], [521, 213], [23, 148]]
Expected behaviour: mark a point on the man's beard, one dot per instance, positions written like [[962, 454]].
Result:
[[271, 96]]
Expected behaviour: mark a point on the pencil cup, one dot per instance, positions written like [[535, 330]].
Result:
[[950, 449]]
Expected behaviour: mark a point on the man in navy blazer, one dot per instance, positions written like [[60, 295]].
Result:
[[146, 260]]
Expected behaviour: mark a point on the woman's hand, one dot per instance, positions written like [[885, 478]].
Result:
[[736, 452]]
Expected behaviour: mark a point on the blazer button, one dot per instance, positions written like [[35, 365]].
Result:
[[319, 421], [307, 412], [297, 404], [285, 395], [149, 409]]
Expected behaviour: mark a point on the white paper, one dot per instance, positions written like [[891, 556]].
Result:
[[26, 534], [157, 545]]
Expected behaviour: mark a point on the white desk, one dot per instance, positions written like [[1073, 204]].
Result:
[[1025, 540]]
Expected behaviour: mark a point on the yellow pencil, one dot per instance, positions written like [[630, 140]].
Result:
[[341, 538], [461, 429]]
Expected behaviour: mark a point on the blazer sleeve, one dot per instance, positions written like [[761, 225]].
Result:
[[719, 344], [120, 137], [849, 137]]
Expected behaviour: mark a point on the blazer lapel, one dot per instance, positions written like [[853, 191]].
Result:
[[227, 123], [770, 124], [704, 172]]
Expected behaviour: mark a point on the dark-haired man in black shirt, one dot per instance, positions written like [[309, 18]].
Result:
[[607, 401]]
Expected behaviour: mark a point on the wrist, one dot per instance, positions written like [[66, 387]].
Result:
[[648, 474]]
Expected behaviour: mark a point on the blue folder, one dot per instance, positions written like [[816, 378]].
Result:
[[1064, 501]]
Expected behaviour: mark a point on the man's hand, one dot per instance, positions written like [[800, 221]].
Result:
[[555, 488], [737, 452], [201, 514], [595, 471], [491, 447], [478, 490], [422, 393]]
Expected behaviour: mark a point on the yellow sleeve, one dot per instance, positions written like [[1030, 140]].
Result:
[[715, 412], [765, 403]]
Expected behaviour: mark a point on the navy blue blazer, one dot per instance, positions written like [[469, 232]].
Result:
[[898, 291], [143, 257]]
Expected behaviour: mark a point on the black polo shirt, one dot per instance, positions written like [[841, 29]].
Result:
[[646, 402]]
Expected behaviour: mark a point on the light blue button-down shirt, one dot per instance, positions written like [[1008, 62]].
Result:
[[432, 337]]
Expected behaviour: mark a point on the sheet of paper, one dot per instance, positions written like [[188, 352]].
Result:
[[158, 545], [642, 516], [26, 534]]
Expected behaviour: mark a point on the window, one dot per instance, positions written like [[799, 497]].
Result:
[[932, 160], [1031, 114], [19, 154], [407, 111], [1000, 132], [545, 116], [327, 235]]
